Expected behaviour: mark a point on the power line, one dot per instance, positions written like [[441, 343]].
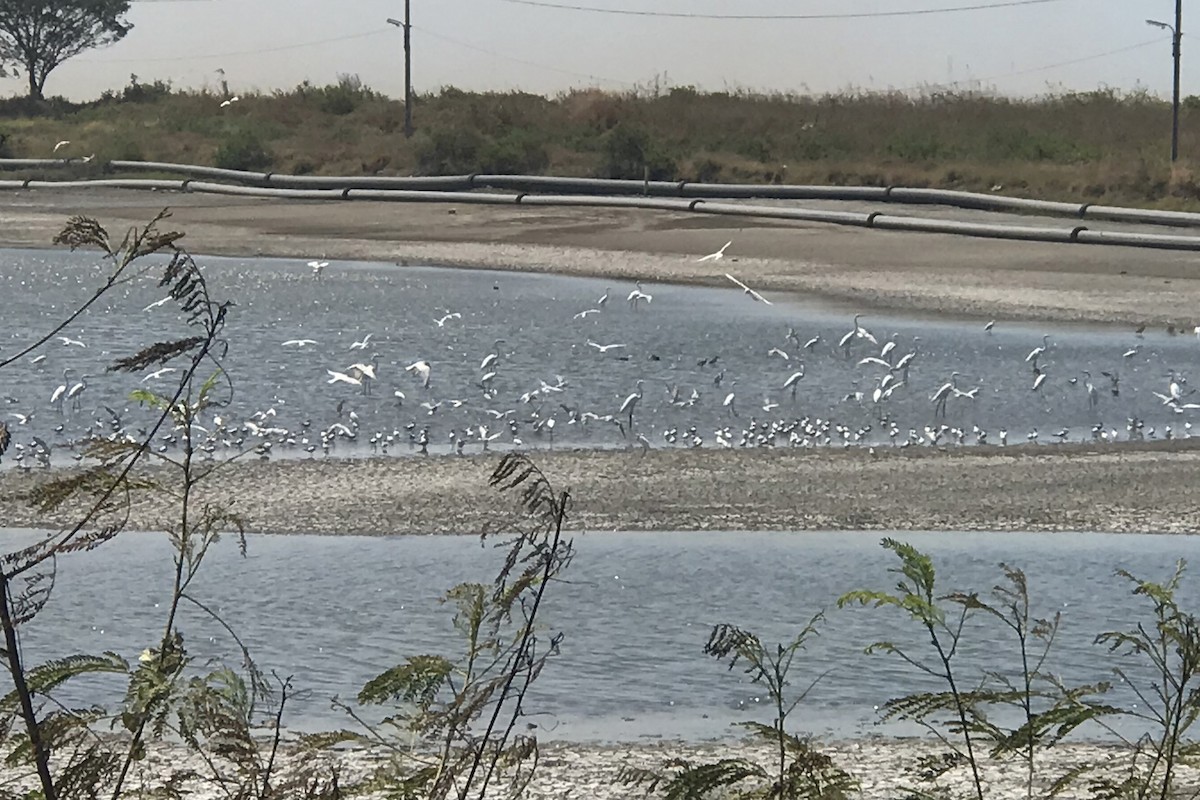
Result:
[[279, 49], [494, 54], [777, 17], [1045, 67]]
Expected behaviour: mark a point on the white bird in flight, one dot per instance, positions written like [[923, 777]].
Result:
[[157, 303], [299, 343], [317, 266], [604, 348], [422, 369], [441, 323], [69, 342], [361, 345], [158, 373], [717, 256], [230, 101], [753, 294], [61, 145], [341, 377]]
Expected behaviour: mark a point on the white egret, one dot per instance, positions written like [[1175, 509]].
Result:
[[317, 267], [637, 295], [449, 315], [717, 256], [793, 382], [230, 101], [422, 369], [157, 303], [775, 351], [631, 402], [300, 343], [363, 344], [586, 312], [604, 348], [1037, 351], [747, 290], [603, 299], [76, 391], [341, 377], [61, 145], [69, 342], [158, 373], [56, 397]]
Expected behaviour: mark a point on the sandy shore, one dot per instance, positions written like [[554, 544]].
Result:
[[1127, 488], [862, 269], [885, 768]]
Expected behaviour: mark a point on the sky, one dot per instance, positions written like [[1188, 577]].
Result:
[[1019, 50]]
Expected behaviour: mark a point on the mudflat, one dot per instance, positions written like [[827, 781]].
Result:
[[896, 271], [1125, 488]]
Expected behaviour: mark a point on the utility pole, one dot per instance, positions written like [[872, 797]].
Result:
[[407, 26], [1176, 53]]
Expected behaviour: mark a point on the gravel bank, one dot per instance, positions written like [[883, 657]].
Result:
[[885, 768], [1127, 488]]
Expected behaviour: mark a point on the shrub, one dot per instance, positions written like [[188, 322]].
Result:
[[345, 96], [449, 151], [242, 149], [516, 152], [629, 152]]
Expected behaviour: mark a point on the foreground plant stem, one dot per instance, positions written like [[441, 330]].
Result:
[[13, 653]]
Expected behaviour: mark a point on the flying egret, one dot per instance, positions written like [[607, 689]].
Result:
[[230, 101], [449, 315], [603, 299], [300, 343], [158, 373], [775, 351], [341, 377], [61, 145], [717, 256], [604, 348], [422, 369], [317, 267], [363, 344], [69, 342], [746, 289], [586, 312], [157, 303]]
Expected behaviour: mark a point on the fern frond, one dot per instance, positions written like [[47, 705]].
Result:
[[418, 681], [156, 354], [45, 678]]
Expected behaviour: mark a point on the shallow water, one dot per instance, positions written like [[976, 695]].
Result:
[[635, 609], [278, 300]]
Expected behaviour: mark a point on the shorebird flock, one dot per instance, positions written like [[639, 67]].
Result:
[[334, 360]]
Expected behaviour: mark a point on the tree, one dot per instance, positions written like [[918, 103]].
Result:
[[41, 34]]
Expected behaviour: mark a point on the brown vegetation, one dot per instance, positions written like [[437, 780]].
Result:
[[1100, 146]]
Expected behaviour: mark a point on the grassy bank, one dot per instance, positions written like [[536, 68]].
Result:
[[1101, 146]]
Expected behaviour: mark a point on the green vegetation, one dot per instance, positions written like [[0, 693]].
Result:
[[1100, 146]]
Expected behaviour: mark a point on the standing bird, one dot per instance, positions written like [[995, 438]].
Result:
[[76, 391], [56, 397], [631, 402]]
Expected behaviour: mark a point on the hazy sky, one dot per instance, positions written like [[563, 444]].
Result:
[[498, 44]]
